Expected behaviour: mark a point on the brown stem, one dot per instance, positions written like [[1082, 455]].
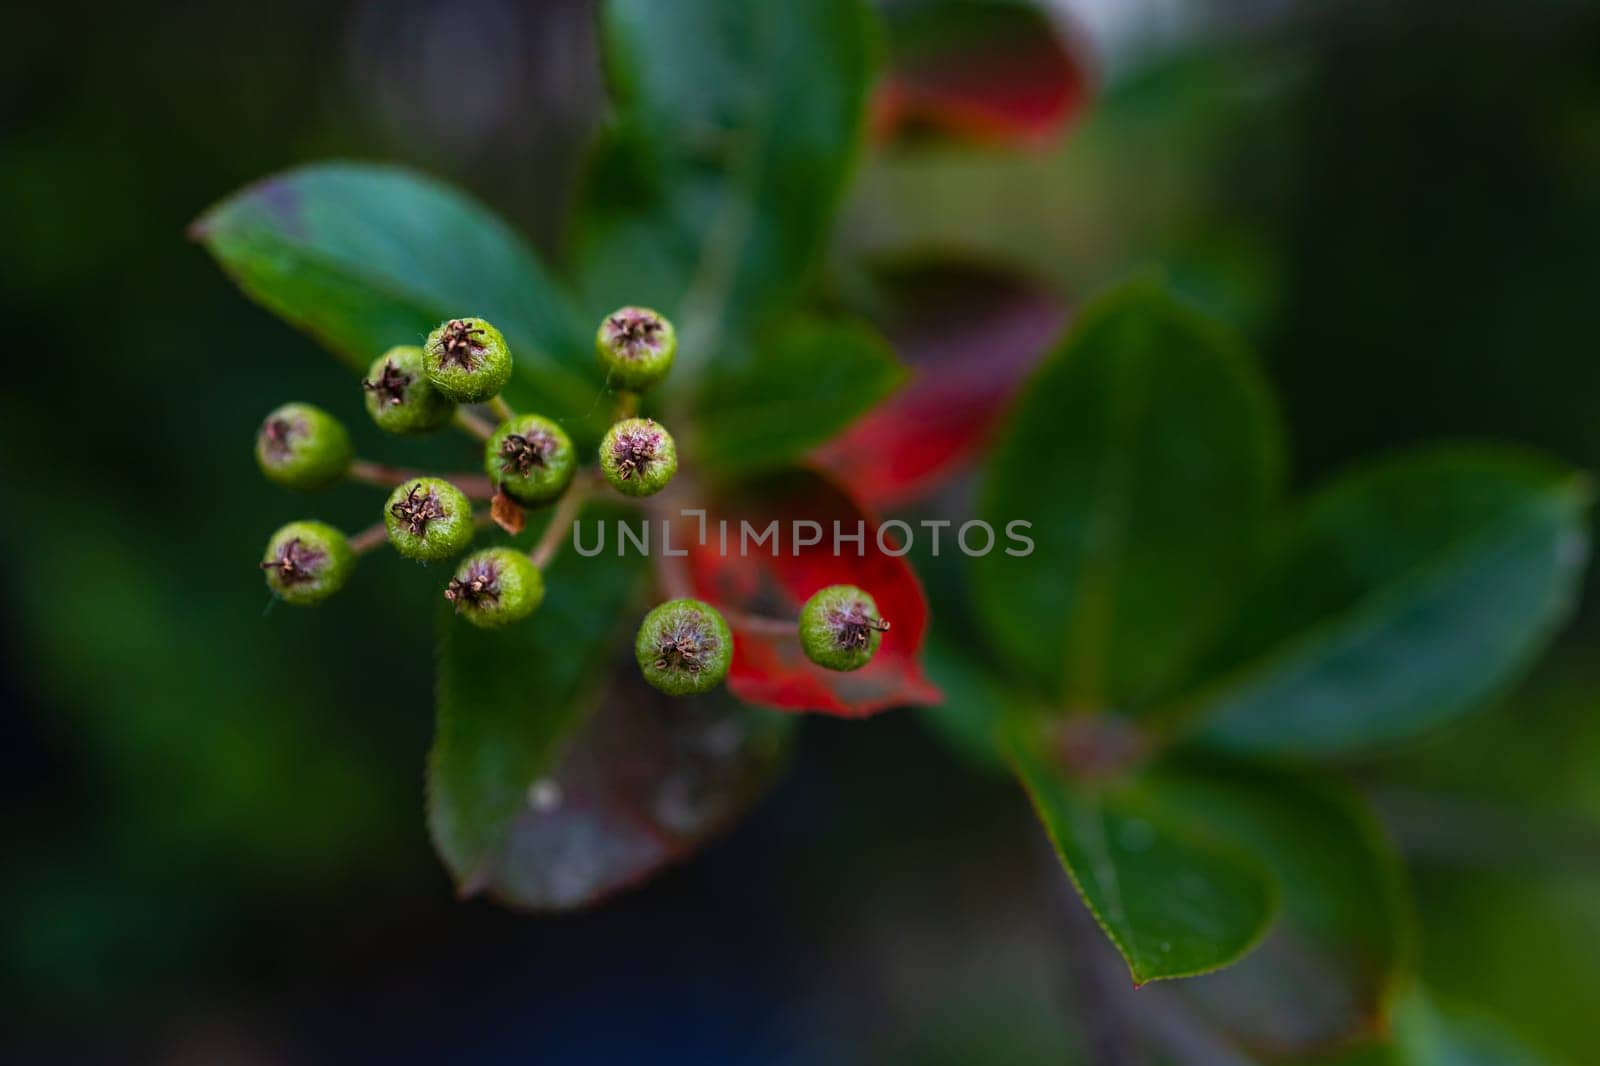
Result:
[[761, 623], [373, 537], [672, 577], [476, 486], [474, 424], [672, 574], [555, 534]]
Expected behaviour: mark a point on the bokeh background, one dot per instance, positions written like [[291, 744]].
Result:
[[214, 842]]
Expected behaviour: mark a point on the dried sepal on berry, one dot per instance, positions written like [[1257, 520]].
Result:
[[636, 347], [399, 396], [467, 360], [840, 628], [306, 562], [531, 458], [638, 457], [684, 647], [495, 587], [303, 447], [428, 518]]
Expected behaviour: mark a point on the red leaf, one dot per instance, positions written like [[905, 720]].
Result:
[[970, 335], [986, 72], [749, 579]]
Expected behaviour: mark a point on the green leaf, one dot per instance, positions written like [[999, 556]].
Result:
[[982, 708], [736, 128], [1407, 594], [366, 257], [1326, 971], [510, 701], [809, 381], [1145, 454], [979, 709], [1174, 901], [1427, 1035]]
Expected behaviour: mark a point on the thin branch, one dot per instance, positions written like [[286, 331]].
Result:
[[501, 409], [672, 577], [760, 623], [555, 534], [672, 573], [381, 474], [627, 405], [370, 539], [476, 486], [474, 424]]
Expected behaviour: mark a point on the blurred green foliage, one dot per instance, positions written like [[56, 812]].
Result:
[[209, 781], [1399, 205]]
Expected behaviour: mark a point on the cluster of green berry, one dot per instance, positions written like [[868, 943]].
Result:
[[684, 646]]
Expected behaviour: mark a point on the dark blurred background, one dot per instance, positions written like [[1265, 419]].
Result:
[[216, 850]]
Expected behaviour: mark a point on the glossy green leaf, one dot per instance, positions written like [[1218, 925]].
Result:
[[1324, 973], [1407, 594], [736, 126], [808, 382], [365, 257], [510, 701], [1174, 900], [1145, 455]]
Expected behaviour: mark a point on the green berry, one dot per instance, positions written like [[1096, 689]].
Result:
[[531, 458], [636, 347], [400, 398], [428, 518], [303, 447], [638, 457], [495, 587], [840, 628], [467, 360], [306, 562], [684, 647]]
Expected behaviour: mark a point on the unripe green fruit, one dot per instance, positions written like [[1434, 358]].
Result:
[[531, 458], [467, 360], [495, 587], [400, 398], [684, 647], [636, 347], [428, 518], [306, 562], [303, 447], [638, 457], [840, 628]]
